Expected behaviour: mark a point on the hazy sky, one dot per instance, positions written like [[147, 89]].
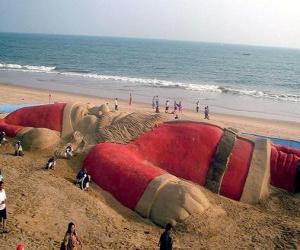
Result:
[[257, 22]]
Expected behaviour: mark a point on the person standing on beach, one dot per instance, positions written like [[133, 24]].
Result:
[[130, 99], [3, 213], [71, 239], [153, 102], [116, 104], [180, 107], [1, 176], [197, 106], [206, 113], [167, 106], [157, 105], [166, 241], [156, 101], [175, 107]]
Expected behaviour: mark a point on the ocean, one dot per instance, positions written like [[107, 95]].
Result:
[[244, 80]]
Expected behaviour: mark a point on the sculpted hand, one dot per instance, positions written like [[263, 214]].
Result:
[[168, 199]]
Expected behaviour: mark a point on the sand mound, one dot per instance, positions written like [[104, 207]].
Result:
[[39, 138]]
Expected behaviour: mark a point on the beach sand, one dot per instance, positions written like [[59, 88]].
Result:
[[41, 203], [283, 129]]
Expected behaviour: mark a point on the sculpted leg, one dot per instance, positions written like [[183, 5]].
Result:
[[141, 186]]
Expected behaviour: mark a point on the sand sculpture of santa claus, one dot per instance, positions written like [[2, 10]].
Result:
[[154, 166]]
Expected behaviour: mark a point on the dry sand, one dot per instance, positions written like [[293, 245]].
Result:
[[41, 203]]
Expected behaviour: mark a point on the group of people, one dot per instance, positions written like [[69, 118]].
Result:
[[82, 178], [18, 145], [178, 108], [68, 154], [72, 240]]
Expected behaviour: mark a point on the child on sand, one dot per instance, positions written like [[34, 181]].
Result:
[[71, 239], [51, 163], [3, 213], [18, 149], [69, 152], [166, 241], [83, 179], [2, 137]]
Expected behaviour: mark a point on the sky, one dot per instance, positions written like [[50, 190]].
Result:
[[256, 22]]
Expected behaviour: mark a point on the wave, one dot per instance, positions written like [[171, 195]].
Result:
[[157, 83], [261, 94], [26, 67]]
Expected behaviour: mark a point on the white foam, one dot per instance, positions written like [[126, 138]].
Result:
[[26, 67], [156, 82]]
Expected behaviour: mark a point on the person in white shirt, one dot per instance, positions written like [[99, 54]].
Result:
[[116, 104], [1, 176], [3, 213]]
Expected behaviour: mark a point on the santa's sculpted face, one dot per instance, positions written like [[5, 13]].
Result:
[[85, 119]]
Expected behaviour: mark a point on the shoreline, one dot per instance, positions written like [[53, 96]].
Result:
[[17, 94]]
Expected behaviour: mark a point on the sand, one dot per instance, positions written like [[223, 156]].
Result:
[[41, 203], [283, 129]]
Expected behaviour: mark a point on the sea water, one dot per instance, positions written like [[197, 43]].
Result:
[[233, 79]]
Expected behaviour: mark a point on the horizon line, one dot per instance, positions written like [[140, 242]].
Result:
[[147, 38]]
